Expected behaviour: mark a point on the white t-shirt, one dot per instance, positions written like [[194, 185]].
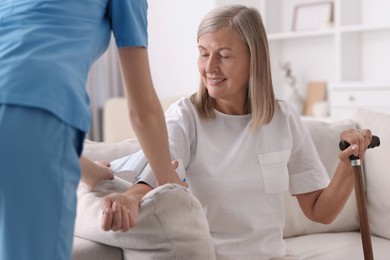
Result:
[[240, 176]]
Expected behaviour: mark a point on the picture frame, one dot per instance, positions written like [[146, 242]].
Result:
[[313, 16]]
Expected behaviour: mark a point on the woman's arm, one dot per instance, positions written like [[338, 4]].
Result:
[[324, 205], [120, 210], [146, 114]]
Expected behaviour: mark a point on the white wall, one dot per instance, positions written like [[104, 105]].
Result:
[[172, 44]]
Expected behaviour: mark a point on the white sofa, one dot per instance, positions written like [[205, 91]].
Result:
[[306, 239]]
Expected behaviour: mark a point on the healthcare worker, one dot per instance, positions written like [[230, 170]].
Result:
[[46, 50]]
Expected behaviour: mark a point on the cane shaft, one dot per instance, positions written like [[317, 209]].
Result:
[[363, 217]]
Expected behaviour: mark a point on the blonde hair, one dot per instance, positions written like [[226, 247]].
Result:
[[248, 24]]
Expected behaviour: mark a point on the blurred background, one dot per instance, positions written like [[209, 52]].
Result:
[[328, 57]]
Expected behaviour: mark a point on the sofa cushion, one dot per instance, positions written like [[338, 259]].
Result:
[[88, 250], [336, 246], [171, 224], [377, 171], [326, 137], [109, 151]]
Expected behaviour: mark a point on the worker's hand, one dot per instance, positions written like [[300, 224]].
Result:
[[174, 177], [94, 172], [105, 171]]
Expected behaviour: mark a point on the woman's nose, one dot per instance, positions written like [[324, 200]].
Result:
[[212, 64]]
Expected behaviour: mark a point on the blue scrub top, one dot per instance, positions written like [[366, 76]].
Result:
[[48, 46]]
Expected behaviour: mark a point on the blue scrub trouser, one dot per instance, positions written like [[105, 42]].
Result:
[[39, 174]]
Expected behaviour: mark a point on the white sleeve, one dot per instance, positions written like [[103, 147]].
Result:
[[148, 177], [180, 126], [307, 173]]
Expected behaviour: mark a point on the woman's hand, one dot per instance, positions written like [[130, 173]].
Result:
[[120, 211], [359, 139]]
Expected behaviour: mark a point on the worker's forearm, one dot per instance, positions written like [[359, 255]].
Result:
[[146, 114], [152, 135]]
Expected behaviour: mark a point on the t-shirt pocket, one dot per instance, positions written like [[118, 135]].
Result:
[[274, 170]]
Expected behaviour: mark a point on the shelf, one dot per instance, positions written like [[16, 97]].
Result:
[[296, 35], [361, 85], [365, 28], [344, 29]]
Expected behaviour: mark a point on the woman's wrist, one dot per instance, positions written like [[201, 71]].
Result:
[[139, 190]]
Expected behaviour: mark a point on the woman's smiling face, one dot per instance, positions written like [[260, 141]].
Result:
[[224, 63]]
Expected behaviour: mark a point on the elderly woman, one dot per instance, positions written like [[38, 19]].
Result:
[[241, 148]]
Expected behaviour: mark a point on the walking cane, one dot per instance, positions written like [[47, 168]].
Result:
[[361, 198]]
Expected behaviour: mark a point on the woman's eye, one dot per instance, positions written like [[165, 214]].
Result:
[[224, 56]]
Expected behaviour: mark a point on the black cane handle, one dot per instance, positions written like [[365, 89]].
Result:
[[375, 141]]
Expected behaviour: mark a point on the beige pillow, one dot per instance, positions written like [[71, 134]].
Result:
[[171, 224], [326, 137], [377, 171]]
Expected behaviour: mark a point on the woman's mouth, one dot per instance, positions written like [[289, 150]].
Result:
[[215, 81]]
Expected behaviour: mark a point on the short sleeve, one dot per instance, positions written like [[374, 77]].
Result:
[[307, 173], [180, 125], [129, 22]]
